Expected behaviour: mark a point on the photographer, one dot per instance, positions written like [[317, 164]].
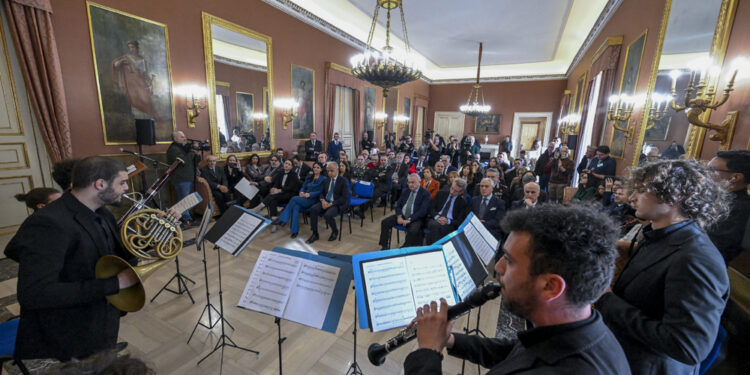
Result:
[[406, 146], [184, 177], [434, 150]]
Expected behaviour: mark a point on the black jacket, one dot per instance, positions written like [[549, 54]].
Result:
[[292, 185], [313, 149], [492, 216], [460, 207], [186, 172], [214, 178], [587, 347], [234, 176], [728, 234], [302, 171], [64, 312], [340, 192], [666, 305]]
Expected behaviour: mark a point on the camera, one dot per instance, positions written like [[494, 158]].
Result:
[[201, 145], [233, 165]]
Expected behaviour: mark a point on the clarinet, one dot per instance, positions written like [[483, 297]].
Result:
[[377, 352]]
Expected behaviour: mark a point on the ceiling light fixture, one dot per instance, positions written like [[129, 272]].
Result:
[[387, 69], [474, 108]]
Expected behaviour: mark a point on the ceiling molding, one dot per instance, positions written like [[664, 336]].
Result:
[[539, 77], [604, 17], [611, 41]]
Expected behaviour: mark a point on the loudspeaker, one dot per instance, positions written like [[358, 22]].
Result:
[[145, 133]]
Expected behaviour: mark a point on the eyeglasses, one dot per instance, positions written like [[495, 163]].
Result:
[[715, 170]]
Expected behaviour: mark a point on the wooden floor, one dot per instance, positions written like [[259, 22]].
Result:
[[158, 334]]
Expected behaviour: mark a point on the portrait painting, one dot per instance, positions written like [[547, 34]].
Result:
[[487, 124], [133, 74], [632, 65], [369, 120], [303, 91], [407, 113], [245, 110], [580, 88], [617, 144]]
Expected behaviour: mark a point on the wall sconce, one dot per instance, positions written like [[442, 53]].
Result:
[[259, 119], [401, 121], [288, 108], [620, 108], [569, 124], [659, 108], [195, 96], [703, 100], [380, 119]]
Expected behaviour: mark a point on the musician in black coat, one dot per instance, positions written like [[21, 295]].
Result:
[[218, 182], [447, 211], [64, 313], [493, 211], [313, 147], [285, 186], [334, 200]]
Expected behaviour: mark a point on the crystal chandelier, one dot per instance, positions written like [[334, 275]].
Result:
[[386, 69], [474, 108]]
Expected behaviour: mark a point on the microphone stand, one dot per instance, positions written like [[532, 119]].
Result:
[[354, 368]]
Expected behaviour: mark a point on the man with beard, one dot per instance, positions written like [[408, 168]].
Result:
[[184, 176], [557, 261], [64, 312]]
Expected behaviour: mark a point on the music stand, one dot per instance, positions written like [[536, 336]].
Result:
[[181, 283], [200, 239]]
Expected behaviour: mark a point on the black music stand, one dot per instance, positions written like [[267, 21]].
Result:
[[223, 339], [200, 246], [354, 368]]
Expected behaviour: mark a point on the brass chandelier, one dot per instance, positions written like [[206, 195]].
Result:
[[386, 69], [473, 108]]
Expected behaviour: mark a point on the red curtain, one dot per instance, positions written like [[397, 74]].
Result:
[[30, 23]]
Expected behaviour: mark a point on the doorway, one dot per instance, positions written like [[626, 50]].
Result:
[[527, 127]]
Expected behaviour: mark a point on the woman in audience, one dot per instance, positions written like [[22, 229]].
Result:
[[429, 183], [390, 142], [467, 174], [478, 172], [493, 163], [308, 196], [345, 170], [253, 169], [454, 151], [515, 183], [584, 193], [37, 198], [233, 171]]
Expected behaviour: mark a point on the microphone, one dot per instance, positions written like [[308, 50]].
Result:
[[129, 152]]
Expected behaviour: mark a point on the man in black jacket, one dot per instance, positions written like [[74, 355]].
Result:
[[313, 147], [666, 305], [557, 261], [218, 182], [732, 167], [285, 185], [411, 210], [183, 178], [301, 169], [488, 207], [334, 199], [447, 211], [64, 313]]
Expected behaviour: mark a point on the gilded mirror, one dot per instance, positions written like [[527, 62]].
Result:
[[692, 31], [239, 77]]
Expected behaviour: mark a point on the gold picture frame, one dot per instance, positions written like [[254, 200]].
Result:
[[301, 74], [631, 71]]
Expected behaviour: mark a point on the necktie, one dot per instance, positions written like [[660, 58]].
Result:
[[329, 196], [409, 205], [447, 206], [483, 208]]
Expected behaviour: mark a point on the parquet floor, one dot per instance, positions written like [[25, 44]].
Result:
[[159, 332]]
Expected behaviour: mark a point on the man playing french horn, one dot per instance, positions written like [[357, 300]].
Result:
[[64, 312]]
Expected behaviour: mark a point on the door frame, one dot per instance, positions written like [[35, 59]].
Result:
[[515, 134]]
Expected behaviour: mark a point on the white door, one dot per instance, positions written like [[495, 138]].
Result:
[[449, 123], [343, 120], [419, 130], [24, 163]]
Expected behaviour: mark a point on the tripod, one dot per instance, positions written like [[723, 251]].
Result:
[[181, 283], [209, 307], [224, 340], [354, 368]]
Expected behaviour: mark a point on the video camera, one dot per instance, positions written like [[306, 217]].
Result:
[[200, 145]]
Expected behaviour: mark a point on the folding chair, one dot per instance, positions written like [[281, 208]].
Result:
[[364, 191], [8, 333]]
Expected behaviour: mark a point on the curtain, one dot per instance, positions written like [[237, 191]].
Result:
[[343, 117], [607, 65], [335, 78], [30, 23]]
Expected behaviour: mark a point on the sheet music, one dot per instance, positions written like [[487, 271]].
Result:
[[312, 293], [389, 293], [481, 240], [271, 283], [461, 278], [187, 203], [429, 279], [246, 188], [234, 238], [131, 168]]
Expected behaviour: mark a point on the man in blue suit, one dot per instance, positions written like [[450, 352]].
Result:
[[334, 199], [334, 147], [411, 210]]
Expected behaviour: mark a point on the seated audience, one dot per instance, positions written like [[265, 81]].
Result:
[[488, 208], [233, 171], [665, 306], [301, 169], [379, 176], [429, 183], [585, 192], [360, 170], [308, 195], [530, 197], [440, 175], [218, 182], [253, 169], [334, 199], [285, 185], [447, 211], [411, 209]]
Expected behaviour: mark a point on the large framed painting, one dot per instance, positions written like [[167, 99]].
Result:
[[577, 102], [303, 91], [245, 110], [628, 84], [133, 74], [487, 124], [369, 120], [407, 113]]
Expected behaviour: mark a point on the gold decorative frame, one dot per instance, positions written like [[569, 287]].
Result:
[[25, 156], [222, 83], [575, 106], [12, 86], [89, 4], [209, 20], [291, 86], [643, 35]]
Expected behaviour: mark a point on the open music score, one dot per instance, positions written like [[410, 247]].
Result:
[[481, 240], [190, 201], [246, 188], [135, 168], [235, 229], [285, 284]]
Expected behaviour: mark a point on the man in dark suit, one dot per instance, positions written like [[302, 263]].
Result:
[[666, 305], [285, 186], [64, 313], [541, 169], [447, 211], [301, 169], [397, 173], [488, 208], [334, 147], [218, 182], [411, 210], [733, 168], [530, 197], [313, 147], [588, 161], [440, 174], [334, 199], [552, 270]]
